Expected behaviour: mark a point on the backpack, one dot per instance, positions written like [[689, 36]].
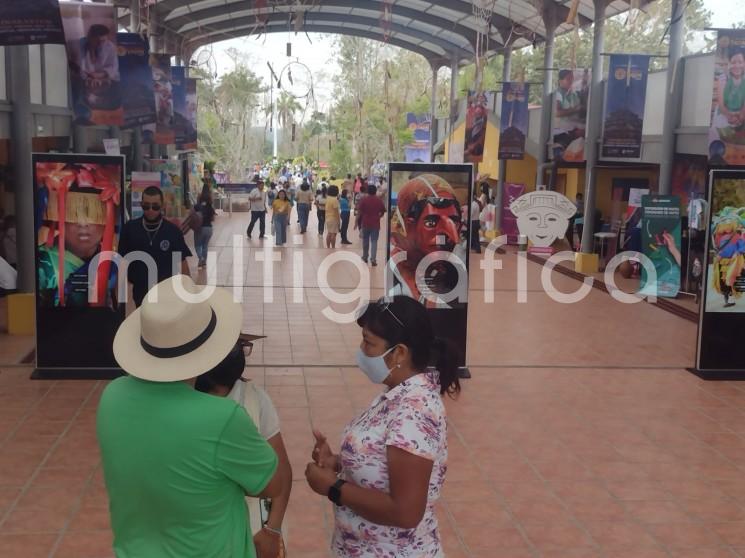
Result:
[[194, 221]]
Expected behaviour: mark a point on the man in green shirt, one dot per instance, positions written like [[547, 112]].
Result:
[[178, 463]]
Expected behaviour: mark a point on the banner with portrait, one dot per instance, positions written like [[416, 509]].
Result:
[[571, 100], [172, 184], [660, 237], [689, 183], [78, 215], [136, 79], [720, 348], [93, 61], [190, 134], [418, 151], [162, 132], [30, 22], [727, 132], [514, 120], [625, 97], [477, 119], [427, 249]]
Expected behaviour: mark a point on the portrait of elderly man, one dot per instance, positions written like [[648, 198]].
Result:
[[543, 216], [428, 219]]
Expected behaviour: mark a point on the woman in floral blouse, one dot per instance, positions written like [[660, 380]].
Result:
[[391, 466]]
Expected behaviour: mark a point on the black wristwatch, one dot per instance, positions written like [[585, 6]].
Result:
[[335, 491]]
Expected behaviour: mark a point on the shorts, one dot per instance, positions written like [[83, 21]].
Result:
[[332, 227]]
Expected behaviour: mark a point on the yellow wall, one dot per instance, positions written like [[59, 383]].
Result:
[[604, 186], [459, 136]]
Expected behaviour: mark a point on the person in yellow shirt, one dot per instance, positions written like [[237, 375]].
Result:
[[281, 216], [333, 216]]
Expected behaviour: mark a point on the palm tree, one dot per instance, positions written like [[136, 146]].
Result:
[[287, 106]]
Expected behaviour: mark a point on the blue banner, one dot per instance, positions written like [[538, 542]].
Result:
[[625, 96], [137, 80], [180, 119], [514, 120]]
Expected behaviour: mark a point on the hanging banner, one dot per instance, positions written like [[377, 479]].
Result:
[[625, 96], [514, 120], [178, 90], [571, 100], [419, 195], [418, 151], [30, 22], [727, 133], [509, 221], [190, 135], [162, 132], [136, 79], [477, 118], [78, 215], [720, 347], [90, 40], [661, 244]]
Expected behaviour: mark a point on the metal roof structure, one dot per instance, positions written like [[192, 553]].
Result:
[[438, 30]]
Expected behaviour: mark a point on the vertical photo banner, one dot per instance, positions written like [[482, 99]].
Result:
[[689, 182], [162, 132], [625, 96], [661, 244], [190, 136], [93, 61], [477, 118], [178, 90], [727, 132], [30, 22], [79, 212], [571, 100], [136, 80], [429, 218], [418, 150], [720, 347], [514, 120], [172, 181]]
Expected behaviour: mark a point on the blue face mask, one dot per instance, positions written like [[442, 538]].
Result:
[[375, 367]]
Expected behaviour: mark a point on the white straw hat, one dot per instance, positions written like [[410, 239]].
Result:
[[172, 338]]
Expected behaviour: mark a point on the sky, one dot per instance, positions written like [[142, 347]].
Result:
[[318, 56]]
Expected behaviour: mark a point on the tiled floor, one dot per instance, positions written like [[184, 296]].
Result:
[[580, 434]]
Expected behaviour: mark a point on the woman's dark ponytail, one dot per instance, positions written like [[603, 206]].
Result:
[[445, 360]]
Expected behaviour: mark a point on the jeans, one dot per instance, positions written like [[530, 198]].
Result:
[[321, 220], [344, 226], [303, 210], [370, 237], [201, 243], [280, 229], [259, 216], [475, 242]]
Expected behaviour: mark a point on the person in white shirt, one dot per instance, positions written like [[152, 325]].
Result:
[[8, 276], [257, 197]]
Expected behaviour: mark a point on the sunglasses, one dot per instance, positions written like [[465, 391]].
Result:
[[245, 344], [149, 206]]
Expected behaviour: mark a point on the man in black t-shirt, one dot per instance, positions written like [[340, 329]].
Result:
[[157, 237]]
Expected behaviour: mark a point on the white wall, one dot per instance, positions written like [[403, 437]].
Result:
[[698, 91], [55, 67], [34, 64], [654, 112]]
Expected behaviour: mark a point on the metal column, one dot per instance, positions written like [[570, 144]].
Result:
[[594, 117], [433, 122], [135, 27], [673, 95], [502, 177], [22, 134], [549, 20]]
